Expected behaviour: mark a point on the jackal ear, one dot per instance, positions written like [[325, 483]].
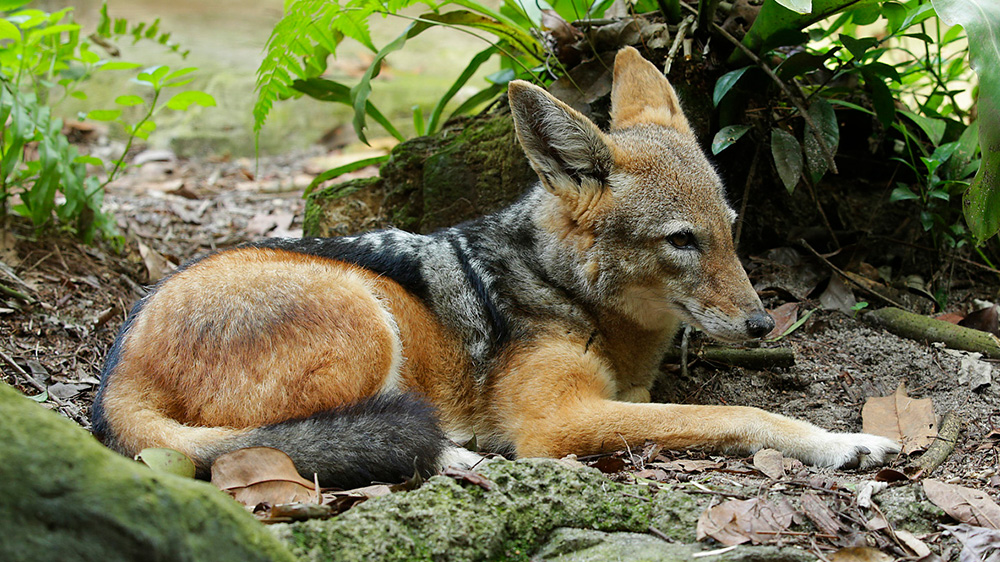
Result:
[[565, 148], [641, 94]]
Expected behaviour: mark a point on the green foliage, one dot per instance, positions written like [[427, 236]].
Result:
[[919, 64], [311, 31], [45, 60], [981, 19]]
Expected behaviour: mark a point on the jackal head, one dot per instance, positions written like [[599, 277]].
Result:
[[636, 219]]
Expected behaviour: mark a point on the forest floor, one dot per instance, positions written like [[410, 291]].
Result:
[[170, 211]]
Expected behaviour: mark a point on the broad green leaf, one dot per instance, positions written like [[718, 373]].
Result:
[[104, 114], [341, 170], [787, 154], [9, 31], [86, 159], [902, 193], [797, 6], [361, 91], [727, 136], [865, 15], [477, 61], [773, 20], [933, 128], [167, 460], [981, 20], [513, 34], [117, 65], [328, 90], [10, 5], [726, 83], [916, 14], [894, 13], [802, 63], [857, 47], [129, 100], [882, 99], [40, 397], [184, 100], [825, 118]]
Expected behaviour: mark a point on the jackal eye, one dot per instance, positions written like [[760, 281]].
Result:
[[683, 239]]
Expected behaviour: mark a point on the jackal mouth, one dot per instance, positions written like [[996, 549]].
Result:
[[717, 325]]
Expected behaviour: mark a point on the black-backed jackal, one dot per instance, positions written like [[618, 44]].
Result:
[[538, 329]]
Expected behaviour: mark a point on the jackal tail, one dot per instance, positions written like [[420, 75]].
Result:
[[383, 438]]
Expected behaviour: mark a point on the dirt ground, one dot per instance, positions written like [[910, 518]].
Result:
[[53, 348]]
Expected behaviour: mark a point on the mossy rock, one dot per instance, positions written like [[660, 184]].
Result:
[[472, 167], [66, 497], [458, 521]]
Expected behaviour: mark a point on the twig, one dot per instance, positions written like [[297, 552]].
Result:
[[847, 277], [796, 534], [746, 195], [827, 154], [678, 39], [659, 534], [941, 448], [758, 358], [685, 342], [819, 208]]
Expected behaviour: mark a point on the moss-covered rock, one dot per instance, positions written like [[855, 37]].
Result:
[[63, 496], [908, 508], [448, 520], [585, 545], [473, 167]]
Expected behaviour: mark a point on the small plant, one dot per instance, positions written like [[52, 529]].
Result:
[[43, 61], [858, 307]]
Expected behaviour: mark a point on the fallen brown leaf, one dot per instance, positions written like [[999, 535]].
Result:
[[157, 266], [984, 320], [463, 475], [770, 462], [738, 521], [963, 504], [978, 543], [784, 316], [819, 513], [907, 420], [261, 475], [860, 554]]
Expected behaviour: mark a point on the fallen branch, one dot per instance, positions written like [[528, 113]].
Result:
[[757, 358], [940, 449], [924, 328], [848, 278]]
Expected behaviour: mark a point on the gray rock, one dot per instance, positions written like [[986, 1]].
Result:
[[63, 496]]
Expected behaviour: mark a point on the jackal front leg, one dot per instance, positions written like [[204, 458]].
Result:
[[556, 401]]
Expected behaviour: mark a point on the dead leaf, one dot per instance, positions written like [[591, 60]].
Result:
[[916, 545], [261, 475], [860, 554], [901, 418], [689, 465], [819, 513], [157, 266], [738, 521], [564, 37], [167, 460], [949, 317], [974, 371], [978, 543], [963, 504], [890, 475], [838, 296], [984, 320], [609, 464], [463, 475], [770, 462], [784, 316], [299, 512]]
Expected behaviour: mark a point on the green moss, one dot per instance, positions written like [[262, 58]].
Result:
[[69, 498], [321, 204], [908, 508], [447, 520]]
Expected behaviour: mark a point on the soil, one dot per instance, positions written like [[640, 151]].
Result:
[[53, 345]]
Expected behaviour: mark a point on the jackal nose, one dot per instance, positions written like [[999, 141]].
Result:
[[759, 324]]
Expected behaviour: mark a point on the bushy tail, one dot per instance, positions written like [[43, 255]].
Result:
[[383, 438]]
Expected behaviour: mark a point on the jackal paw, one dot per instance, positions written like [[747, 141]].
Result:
[[851, 450]]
